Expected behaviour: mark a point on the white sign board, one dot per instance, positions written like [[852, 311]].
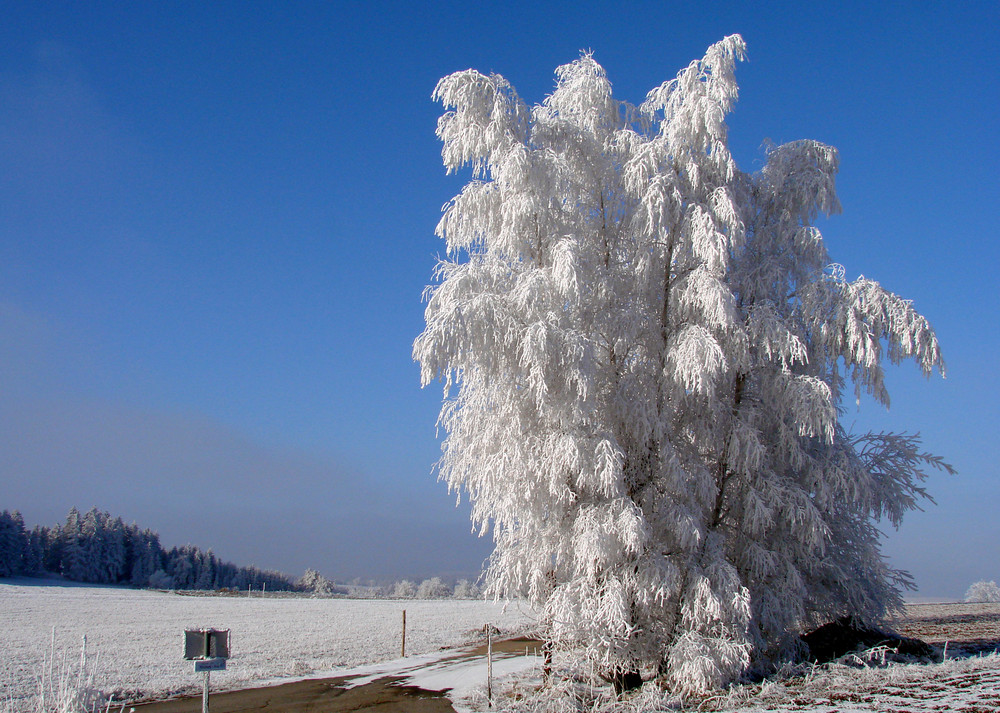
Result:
[[210, 665]]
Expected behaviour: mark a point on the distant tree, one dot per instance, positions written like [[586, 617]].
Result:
[[206, 571], [314, 582], [644, 350], [181, 566], [983, 592], [91, 547], [74, 561], [52, 561], [144, 554], [465, 589], [231, 576], [34, 554], [433, 588], [113, 549], [160, 580], [99, 548], [404, 589], [13, 544]]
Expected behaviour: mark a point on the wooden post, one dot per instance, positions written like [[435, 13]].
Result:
[[403, 653], [489, 664], [204, 694]]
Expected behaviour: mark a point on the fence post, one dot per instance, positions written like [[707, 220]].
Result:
[[489, 664], [403, 653]]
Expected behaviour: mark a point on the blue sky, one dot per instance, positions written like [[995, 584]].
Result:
[[216, 221]]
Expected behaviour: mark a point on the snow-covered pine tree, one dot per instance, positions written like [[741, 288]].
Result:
[[13, 544], [91, 564], [34, 553], [144, 554], [643, 352], [113, 550], [72, 544], [205, 567]]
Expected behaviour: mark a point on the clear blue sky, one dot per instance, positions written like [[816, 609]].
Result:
[[216, 220]]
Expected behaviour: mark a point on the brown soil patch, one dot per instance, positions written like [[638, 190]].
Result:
[[318, 696], [332, 695], [519, 645]]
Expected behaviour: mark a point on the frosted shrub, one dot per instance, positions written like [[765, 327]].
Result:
[[64, 684], [983, 592], [643, 351]]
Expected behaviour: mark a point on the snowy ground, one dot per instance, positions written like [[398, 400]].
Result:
[[138, 635]]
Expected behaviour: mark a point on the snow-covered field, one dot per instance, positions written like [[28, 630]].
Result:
[[138, 635]]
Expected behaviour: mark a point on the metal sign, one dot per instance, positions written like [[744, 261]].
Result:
[[202, 644], [210, 665]]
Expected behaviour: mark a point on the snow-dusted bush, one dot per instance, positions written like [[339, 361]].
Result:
[[433, 588], [404, 589], [983, 592], [644, 350]]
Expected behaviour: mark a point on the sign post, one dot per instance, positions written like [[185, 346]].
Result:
[[209, 649]]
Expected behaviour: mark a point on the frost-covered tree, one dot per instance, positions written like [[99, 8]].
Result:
[[13, 544], [144, 554], [315, 583], [983, 592], [644, 351], [73, 549], [433, 588], [464, 589], [34, 553], [404, 589]]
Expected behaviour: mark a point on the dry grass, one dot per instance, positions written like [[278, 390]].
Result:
[[968, 681]]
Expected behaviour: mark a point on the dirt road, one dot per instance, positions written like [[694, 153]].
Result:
[[319, 696], [384, 694]]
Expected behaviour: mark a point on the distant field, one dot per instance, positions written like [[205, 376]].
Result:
[[138, 634], [970, 627]]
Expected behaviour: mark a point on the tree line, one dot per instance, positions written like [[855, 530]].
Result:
[[97, 548]]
